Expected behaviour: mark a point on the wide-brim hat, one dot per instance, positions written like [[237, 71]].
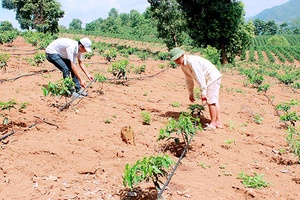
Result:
[[175, 53], [86, 42]]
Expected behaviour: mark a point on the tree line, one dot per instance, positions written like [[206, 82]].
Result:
[[217, 23]]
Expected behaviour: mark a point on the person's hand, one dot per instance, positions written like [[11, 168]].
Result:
[[91, 78], [203, 98], [191, 97], [82, 83]]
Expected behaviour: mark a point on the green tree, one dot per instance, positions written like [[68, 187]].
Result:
[[170, 21], [94, 25], [113, 23], [218, 23], [6, 26], [271, 28], [259, 27], [41, 15], [76, 24], [265, 28]]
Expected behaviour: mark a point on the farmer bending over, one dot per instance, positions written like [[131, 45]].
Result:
[[201, 70], [63, 53]]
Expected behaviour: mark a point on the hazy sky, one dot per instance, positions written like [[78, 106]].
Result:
[[90, 10]]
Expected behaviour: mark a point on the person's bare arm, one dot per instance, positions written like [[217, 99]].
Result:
[[83, 68]]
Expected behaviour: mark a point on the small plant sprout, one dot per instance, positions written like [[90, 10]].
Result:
[[100, 79], [23, 106], [257, 118], [203, 165], [232, 125], [222, 167], [255, 181], [146, 117], [7, 106], [175, 104], [229, 141], [148, 169], [107, 121]]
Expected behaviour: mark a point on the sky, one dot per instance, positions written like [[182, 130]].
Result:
[[90, 10]]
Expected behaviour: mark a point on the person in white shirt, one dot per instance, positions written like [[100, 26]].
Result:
[[64, 53], [201, 70]]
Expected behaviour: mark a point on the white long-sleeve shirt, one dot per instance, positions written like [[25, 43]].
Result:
[[201, 70], [66, 48]]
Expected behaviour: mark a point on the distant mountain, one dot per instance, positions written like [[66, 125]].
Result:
[[283, 13]]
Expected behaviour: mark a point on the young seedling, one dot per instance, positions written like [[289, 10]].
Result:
[[148, 169], [203, 165], [119, 69], [175, 104], [255, 181], [60, 88], [100, 79], [3, 61], [7, 106], [146, 117], [257, 118], [196, 109], [184, 126]]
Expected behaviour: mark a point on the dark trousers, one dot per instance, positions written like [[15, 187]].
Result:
[[64, 65]]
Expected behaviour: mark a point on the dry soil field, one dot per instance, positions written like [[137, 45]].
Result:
[[79, 154]]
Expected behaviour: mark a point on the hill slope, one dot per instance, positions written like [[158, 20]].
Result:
[[283, 13]]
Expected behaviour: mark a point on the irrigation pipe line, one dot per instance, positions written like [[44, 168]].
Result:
[[79, 94], [31, 74], [175, 167], [114, 79], [11, 133]]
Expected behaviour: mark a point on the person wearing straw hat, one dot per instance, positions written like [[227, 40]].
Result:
[[208, 77], [64, 53]]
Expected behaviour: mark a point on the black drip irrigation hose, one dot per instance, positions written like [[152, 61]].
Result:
[[144, 77], [175, 167], [11, 133]]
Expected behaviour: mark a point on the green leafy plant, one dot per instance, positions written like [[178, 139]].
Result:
[[229, 141], [293, 139], [288, 116], [175, 104], [203, 165], [263, 88], [257, 118], [119, 69], [37, 59], [148, 169], [196, 109], [255, 181], [3, 60], [110, 55], [11, 104], [61, 88], [139, 69], [89, 55], [23, 106], [146, 117], [184, 126], [172, 64], [100, 79]]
